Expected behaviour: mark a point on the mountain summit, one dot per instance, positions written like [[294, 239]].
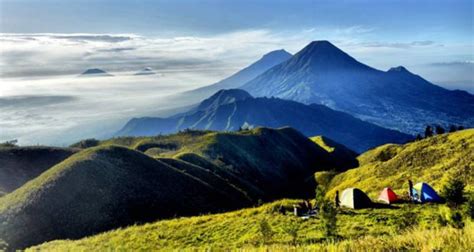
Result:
[[322, 73], [95, 72]]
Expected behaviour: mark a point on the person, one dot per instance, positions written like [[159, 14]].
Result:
[[410, 190], [336, 200]]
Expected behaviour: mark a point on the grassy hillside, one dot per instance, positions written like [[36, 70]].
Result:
[[240, 229], [430, 160], [21, 164], [110, 186]]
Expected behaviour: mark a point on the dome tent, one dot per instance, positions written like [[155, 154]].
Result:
[[388, 195], [425, 193], [355, 198]]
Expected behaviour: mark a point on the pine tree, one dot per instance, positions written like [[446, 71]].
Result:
[[428, 131], [439, 130]]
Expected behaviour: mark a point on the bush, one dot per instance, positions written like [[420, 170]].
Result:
[[328, 213], [12, 143], [451, 217], [453, 191]]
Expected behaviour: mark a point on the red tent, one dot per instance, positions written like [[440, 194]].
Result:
[[387, 195]]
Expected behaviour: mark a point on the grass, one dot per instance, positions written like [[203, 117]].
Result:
[[364, 229], [430, 160], [110, 186], [21, 164]]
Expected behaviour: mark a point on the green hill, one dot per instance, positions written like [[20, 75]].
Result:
[[21, 164], [189, 173], [359, 230], [430, 160]]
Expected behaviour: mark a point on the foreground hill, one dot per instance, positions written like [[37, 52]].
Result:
[[193, 172], [231, 109], [359, 230], [21, 164], [322, 73], [430, 160]]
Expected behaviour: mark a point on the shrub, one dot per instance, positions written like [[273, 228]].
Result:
[[451, 217], [328, 213], [453, 191], [11, 143]]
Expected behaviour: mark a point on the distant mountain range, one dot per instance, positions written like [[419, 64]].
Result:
[[231, 109], [95, 72], [323, 74]]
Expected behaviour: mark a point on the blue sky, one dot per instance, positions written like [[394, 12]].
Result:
[[432, 38]]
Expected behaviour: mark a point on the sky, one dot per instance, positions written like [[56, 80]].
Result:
[[45, 44]]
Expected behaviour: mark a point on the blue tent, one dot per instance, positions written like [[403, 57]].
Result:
[[425, 193]]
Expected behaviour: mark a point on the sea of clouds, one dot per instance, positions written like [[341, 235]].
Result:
[[44, 101]]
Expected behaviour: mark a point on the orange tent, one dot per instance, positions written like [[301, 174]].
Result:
[[388, 195]]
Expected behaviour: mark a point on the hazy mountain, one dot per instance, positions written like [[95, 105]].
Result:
[[268, 60], [95, 72], [231, 109], [321, 73], [145, 71]]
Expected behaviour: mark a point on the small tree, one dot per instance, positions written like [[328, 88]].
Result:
[[418, 137], [452, 128], [319, 197], [460, 127], [266, 231], [428, 131], [328, 213], [440, 130], [453, 191]]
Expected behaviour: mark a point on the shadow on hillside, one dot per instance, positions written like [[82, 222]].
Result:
[[383, 206]]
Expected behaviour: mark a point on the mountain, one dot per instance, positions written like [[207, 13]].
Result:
[[95, 72], [231, 109], [21, 164], [241, 77], [322, 73], [145, 71], [430, 160], [193, 172]]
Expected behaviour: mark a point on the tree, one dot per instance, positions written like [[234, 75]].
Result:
[[428, 131], [453, 191], [440, 130], [470, 206], [460, 127], [418, 137], [452, 128], [328, 213]]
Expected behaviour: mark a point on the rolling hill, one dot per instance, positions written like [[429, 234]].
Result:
[[21, 164], [400, 227], [430, 160], [228, 110], [322, 73], [193, 172]]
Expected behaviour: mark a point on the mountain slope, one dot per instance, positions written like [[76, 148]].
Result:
[[21, 164], [236, 80], [194, 172], [230, 109], [430, 160], [322, 73]]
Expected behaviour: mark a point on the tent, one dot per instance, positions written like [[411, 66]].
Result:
[[355, 198], [425, 193], [388, 195]]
